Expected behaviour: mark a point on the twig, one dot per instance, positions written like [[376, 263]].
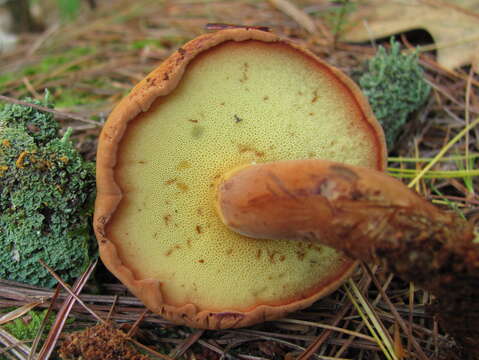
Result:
[[62, 315], [186, 344], [71, 292], [41, 40], [151, 351], [38, 336], [112, 308], [301, 18], [133, 329], [311, 349], [17, 347], [14, 314], [395, 313], [56, 113]]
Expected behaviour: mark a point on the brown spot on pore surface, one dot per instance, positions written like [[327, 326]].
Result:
[[182, 186], [167, 219], [193, 121], [244, 68], [172, 249], [242, 148], [229, 251], [271, 255], [315, 96], [198, 229], [300, 255], [266, 97], [170, 181], [184, 164], [201, 261]]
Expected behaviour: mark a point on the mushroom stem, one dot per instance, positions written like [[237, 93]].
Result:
[[369, 216]]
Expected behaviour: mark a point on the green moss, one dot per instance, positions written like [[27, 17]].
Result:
[[27, 327], [167, 41], [46, 197], [69, 9], [46, 65], [52, 62], [140, 44], [336, 15], [69, 98], [5, 78], [395, 86]]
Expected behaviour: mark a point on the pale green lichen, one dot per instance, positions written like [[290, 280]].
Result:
[[395, 86], [46, 196]]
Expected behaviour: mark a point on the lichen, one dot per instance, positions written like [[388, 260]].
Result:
[[395, 86], [46, 196]]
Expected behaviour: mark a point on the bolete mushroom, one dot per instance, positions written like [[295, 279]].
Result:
[[226, 99], [370, 216]]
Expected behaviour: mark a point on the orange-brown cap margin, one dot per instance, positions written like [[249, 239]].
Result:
[[161, 82]]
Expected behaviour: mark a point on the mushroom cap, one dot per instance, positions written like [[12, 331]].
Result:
[[223, 100]]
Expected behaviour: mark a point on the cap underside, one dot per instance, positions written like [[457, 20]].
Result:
[[237, 103]]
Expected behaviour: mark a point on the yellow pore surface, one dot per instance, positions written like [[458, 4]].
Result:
[[238, 103]]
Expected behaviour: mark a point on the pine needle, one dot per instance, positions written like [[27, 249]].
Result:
[[443, 151], [382, 338]]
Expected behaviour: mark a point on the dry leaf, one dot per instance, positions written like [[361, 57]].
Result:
[[454, 25]]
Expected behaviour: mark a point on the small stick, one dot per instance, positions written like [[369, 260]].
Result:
[[62, 315], [221, 26], [72, 293], [56, 113], [299, 16]]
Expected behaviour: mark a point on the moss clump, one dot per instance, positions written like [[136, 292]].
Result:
[[395, 86], [46, 196], [27, 327]]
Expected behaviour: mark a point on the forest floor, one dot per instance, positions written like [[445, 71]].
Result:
[[90, 63]]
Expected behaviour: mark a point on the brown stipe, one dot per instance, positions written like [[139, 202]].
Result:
[[369, 216]]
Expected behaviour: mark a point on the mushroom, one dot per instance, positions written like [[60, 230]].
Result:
[[370, 216], [225, 99]]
